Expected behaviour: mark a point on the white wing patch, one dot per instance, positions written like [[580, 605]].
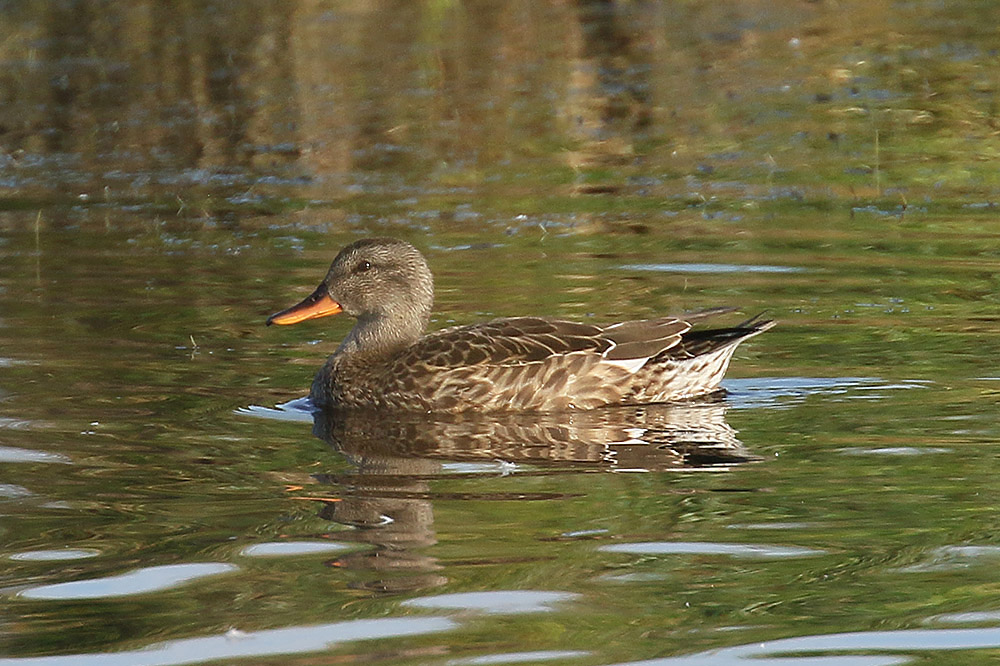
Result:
[[631, 365]]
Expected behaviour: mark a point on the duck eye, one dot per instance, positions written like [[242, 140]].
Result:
[[362, 266]]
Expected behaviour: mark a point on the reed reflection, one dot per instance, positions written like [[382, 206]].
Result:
[[609, 94]]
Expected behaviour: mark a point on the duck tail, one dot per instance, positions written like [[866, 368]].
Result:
[[756, 325]]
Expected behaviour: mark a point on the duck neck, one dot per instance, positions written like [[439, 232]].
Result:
[[381, 335]]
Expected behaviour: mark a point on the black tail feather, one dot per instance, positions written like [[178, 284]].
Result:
[[701, 342]]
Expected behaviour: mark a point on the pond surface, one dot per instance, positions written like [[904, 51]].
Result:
[[170, 174]]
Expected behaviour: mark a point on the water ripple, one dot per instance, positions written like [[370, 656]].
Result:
[[234, 643], [712, 268], [774, 652], [519, 657], [494, 602], [55, 555], [711, 548], [14, 454], [140, 581], [785, 392], [949, 558], [289, 548]]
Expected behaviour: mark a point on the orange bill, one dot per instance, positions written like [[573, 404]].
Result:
[[317, 304]]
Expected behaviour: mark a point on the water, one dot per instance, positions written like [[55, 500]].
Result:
[[169, 176]]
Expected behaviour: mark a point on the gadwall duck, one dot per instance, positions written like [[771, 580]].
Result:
[[519, 363]]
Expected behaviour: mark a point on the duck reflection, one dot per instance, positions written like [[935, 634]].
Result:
[[662, 437], [388, 496]]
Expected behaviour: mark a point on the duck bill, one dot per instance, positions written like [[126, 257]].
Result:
[[317, 304]]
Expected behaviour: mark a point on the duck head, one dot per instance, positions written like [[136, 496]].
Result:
[[384, 283]]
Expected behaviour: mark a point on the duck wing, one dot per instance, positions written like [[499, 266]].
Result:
[[522, 340]]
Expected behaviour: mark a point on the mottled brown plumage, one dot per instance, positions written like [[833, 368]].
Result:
[[521, 363]]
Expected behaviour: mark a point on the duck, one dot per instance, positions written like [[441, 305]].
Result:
[[388, 362]]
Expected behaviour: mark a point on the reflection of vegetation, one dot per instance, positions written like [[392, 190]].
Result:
[[645, 100]]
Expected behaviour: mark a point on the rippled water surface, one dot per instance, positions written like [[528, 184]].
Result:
[[170, 174]]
